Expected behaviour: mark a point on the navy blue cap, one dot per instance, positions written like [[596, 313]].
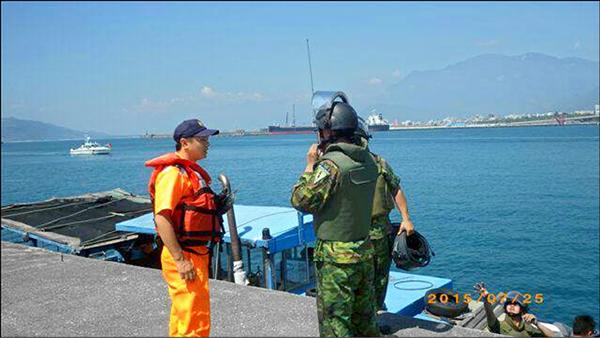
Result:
[[191, 128]]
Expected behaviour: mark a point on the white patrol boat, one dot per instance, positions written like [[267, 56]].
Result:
[[91, 148]]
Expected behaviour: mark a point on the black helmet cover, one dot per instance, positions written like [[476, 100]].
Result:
[[411, 252]]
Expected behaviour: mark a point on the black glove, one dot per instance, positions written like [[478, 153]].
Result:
[[224, 201]]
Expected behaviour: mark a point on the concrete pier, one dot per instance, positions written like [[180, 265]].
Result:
[[48, 294]]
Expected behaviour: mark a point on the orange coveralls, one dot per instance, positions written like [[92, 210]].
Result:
[[190, 309]]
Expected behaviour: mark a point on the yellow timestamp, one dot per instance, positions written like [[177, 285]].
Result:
[[527, 298]]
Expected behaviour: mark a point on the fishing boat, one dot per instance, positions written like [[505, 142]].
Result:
[[276, 246], [82, 225], [91, 148]]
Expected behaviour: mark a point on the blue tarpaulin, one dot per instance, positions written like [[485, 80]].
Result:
[[287, 227], [406, 292]]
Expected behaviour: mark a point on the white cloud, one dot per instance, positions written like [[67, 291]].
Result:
[[207, 91], [211, 93], [577, 45], [375, 81], [397, 73], [206, 94], [147, 105]]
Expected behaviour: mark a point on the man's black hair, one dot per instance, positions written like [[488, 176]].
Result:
[[583, 324], [178, 146], [344, 135]]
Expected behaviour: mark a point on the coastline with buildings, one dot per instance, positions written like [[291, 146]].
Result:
[[554, 118]]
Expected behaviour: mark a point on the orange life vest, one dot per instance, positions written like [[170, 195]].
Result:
[[195, 218]]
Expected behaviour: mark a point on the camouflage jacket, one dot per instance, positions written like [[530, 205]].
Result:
[[508, 326], [313, 190], [309, 195], [380, 224]]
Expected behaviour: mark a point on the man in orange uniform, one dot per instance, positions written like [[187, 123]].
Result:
[[186, 221]]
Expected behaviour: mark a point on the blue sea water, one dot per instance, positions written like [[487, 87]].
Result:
[[517, 208]]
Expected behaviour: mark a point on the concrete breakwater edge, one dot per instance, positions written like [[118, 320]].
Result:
[[46, 293]]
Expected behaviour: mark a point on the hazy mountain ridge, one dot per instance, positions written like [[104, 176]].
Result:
[[494, 83], [14, 129]]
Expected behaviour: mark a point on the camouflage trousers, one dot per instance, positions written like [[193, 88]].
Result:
[[345, 306], [382, 260]]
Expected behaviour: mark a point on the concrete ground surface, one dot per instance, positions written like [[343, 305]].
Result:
[[48, 294]]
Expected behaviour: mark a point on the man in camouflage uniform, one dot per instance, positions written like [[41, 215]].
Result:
[[387, 191], [518, 322], [335, 188]]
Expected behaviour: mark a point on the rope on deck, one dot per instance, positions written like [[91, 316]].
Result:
[[44, 226], [112, 214], [45, 209]]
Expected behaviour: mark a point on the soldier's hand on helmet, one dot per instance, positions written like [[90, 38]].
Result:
[[186, 269], [407, 226], [530, 318], [312, 155]]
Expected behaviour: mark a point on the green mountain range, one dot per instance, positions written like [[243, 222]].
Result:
[[494, 83], [14, 129]]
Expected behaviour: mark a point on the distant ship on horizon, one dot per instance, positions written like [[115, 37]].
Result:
[[290, 128], [376, 122]]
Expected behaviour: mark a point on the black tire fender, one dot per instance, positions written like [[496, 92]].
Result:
[[312, 292], [449, 309]]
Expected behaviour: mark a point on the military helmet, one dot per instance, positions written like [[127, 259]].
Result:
[[411, 252], [515, 297], [341, 116], [363, 129]]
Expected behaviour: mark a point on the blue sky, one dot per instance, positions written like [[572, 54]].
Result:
[[127, 68]]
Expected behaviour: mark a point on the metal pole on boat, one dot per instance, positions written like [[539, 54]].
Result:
[[217, 262], [239, 275]]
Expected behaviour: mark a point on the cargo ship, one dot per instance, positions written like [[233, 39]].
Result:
[[277, 130], [290, 128], [376, 122]]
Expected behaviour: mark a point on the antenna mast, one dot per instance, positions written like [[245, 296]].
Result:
[[312, 88]]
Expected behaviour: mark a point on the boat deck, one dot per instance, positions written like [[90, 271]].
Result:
[[286, 229], [46, 293]]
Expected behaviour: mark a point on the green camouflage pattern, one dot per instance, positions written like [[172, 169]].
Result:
[[391, 178], [380, 224], [345, 306], [509, 328], [314, 189], [343, 252], [393, 185], [380, 228], [382, 260], [344, 270], [382, 238]]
